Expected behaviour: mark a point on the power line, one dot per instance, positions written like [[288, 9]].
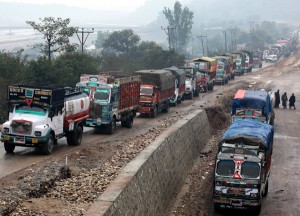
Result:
[[83, 40], [168, 32]]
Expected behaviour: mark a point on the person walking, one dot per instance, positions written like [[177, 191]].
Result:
[[292, 101], [277, 99], [284, 100]]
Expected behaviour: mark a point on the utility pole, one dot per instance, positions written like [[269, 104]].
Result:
[[168, 32], [251, 33], [82, 40], [202, 37], [225, 41], [206, 45]]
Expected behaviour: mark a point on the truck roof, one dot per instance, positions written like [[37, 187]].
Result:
[[212, 61], [252, 99], [249, 132]]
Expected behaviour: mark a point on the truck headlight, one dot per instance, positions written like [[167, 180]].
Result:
[[6, 130], [38, 133], [253, 194]]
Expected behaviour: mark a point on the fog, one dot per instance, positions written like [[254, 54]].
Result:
[[148, 19]]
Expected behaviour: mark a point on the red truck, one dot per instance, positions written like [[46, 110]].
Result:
[[249, 60], [257, 58], [113, 99], [157, 89], [40, 115]]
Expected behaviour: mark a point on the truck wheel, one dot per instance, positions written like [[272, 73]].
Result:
[[74, 138], [111, 128], [197, 92], [212, 87], [123, 123], [48, 146], [9, 148], [129, 122], [206, 89], [166, 109], [153, 112], [217, 208], [266, 189]]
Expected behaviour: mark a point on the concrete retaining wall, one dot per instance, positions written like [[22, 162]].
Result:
[[147, 184]]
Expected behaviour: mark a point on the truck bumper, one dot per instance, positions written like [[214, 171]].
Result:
[[23, 140], [145, 110], [96, 122], [235, 203]]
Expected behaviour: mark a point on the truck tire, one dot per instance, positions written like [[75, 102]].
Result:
[[217, 208], [129, 122], [167, 108], [266, 189], [257, 209], [153, 112], [111, 128], [9, 148], [123, 123], [48, 146], [197, 91], [206, 89], [74, 138]]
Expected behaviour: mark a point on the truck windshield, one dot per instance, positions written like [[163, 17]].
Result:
[[85, 90], [101, 95], [148, 91], [250, 170], [31, 110], [225, 167]]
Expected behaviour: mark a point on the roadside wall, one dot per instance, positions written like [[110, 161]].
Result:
[[148, 183]]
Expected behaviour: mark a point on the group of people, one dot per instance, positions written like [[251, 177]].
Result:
[[284, 100]]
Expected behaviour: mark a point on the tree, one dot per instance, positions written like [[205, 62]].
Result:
[[122, 41], [181, 21], [101, 37], [56, 34]]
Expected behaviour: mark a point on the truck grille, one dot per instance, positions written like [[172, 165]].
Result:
[[21, 127]]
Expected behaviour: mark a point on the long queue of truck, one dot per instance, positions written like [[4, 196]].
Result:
[[243, 163], [40, 115]]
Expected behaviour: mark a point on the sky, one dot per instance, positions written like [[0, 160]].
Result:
[[107, 5]]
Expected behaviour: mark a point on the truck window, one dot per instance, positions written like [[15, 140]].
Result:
[[31, 110], [225, 167], [146, 91], [86, 91], [250, 170], [101, 94]]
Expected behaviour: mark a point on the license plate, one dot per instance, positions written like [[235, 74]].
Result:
[[19, 140], [34, 140], [236, 202]]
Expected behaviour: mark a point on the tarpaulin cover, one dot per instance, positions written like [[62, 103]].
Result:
[[251, 132], [252, 99]]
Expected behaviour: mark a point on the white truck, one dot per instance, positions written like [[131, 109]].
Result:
[[38, 116]]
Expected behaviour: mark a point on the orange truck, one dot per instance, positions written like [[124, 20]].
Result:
[[157, 89]]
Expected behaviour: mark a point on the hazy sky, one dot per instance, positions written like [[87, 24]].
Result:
[[111, 5]]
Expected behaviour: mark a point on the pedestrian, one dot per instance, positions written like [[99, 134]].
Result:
[[277, 99], [284, 100], [292, 101]]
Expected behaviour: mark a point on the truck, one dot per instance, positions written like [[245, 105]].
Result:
[[242, 166], [254, 104], [157, 89], [113, 98], [233, 61], [249, 60], [223, 72], [179, 85], [257, 58], [207, 67], [192, 82], [240, 63], [40, 115]]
